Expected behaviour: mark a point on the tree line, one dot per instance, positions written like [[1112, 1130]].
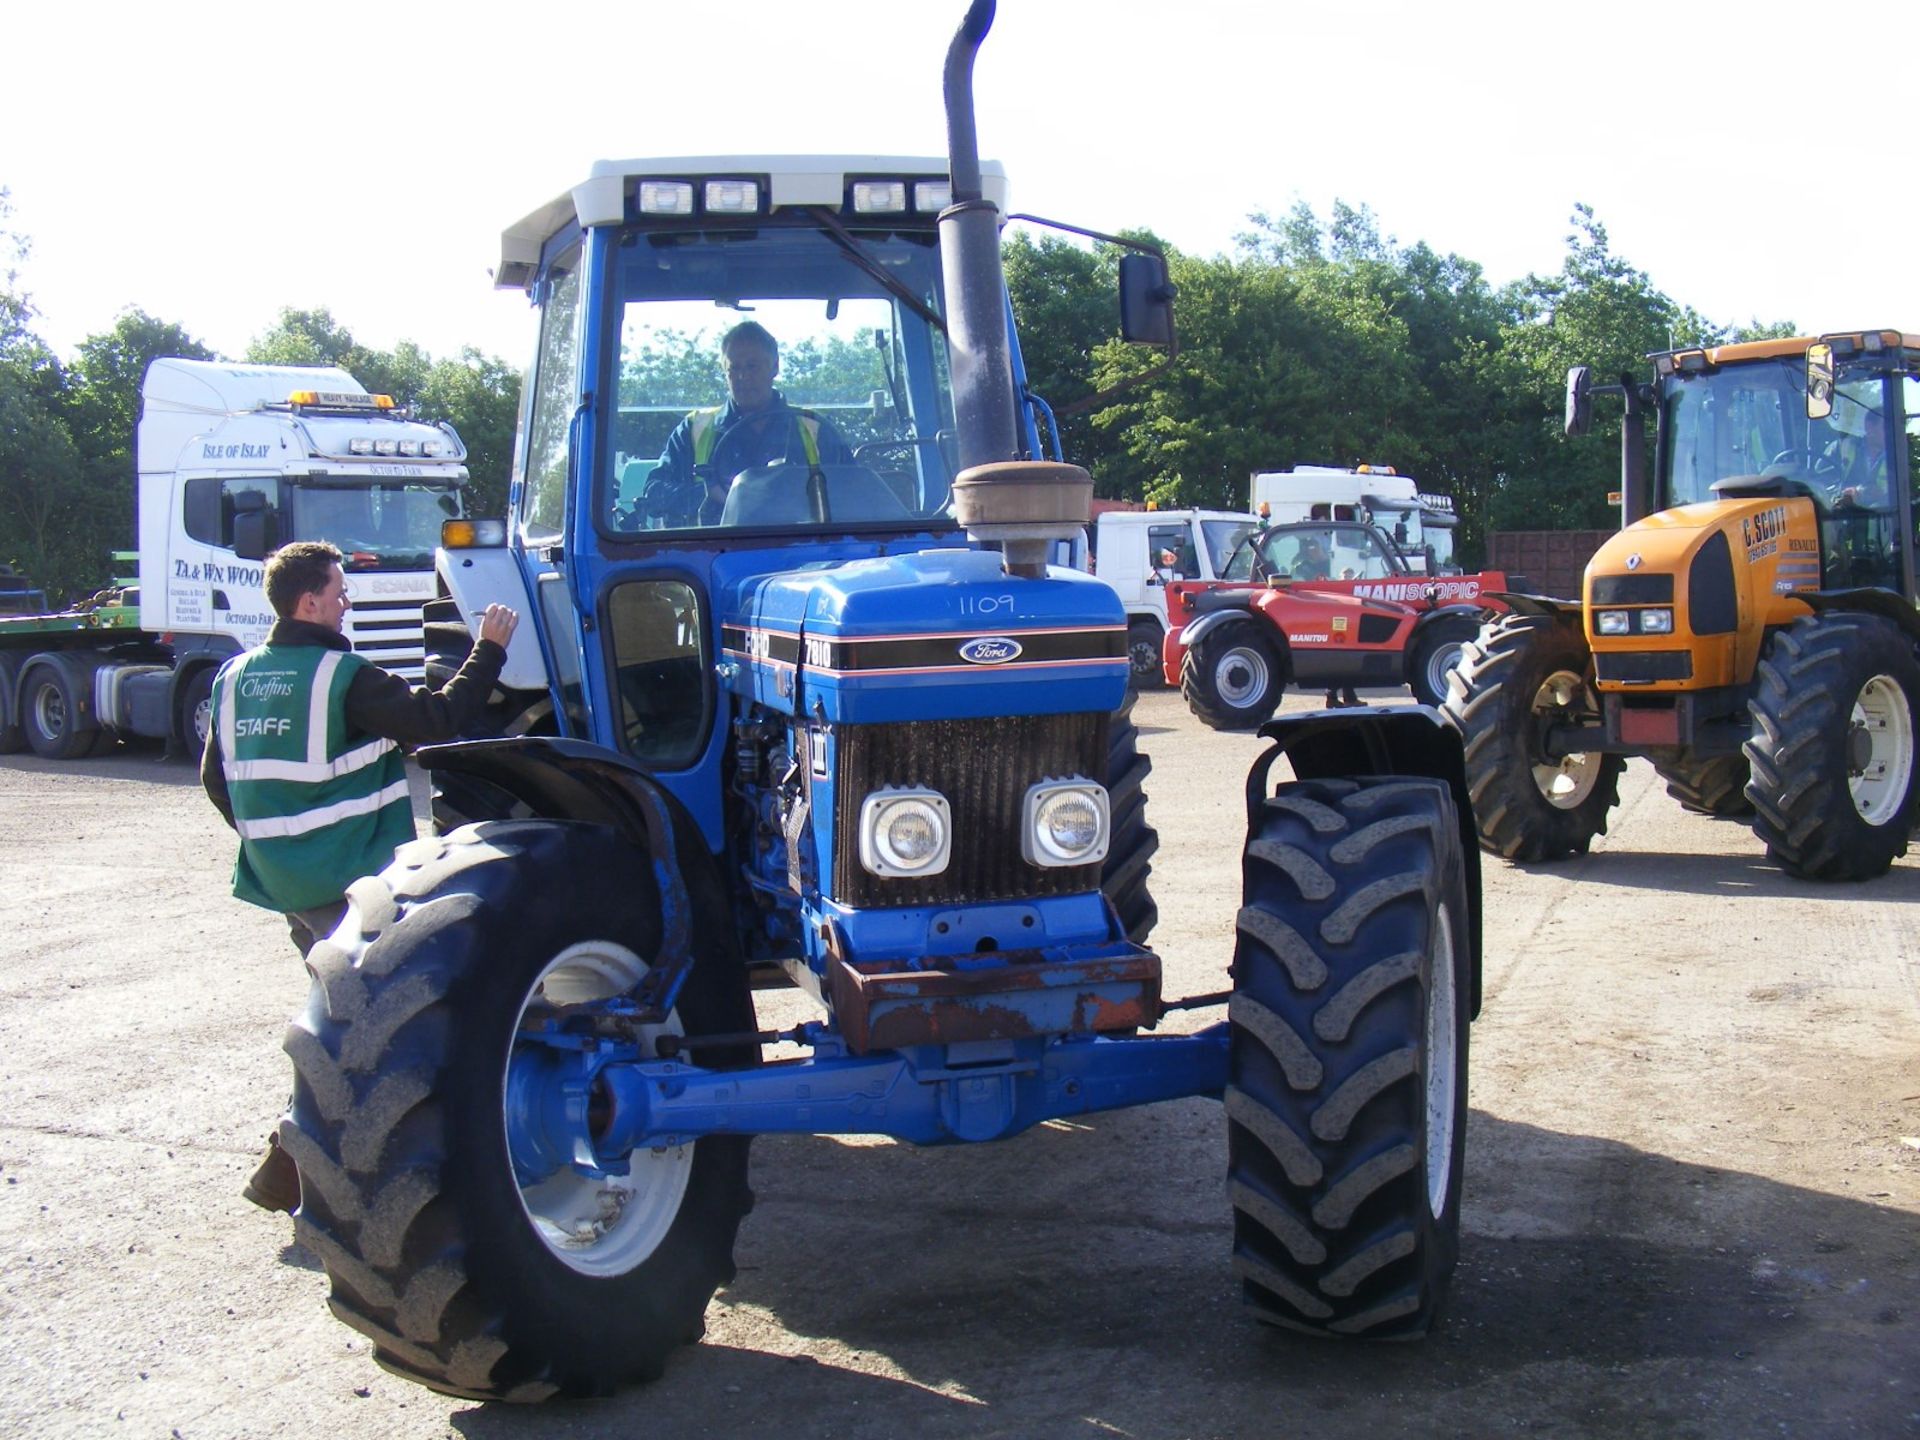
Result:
[[1310, 342]]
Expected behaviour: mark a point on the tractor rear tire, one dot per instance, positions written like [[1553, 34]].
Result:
[[1347, 1056], [1714, 786], [1144, 641], [1435, 654], [1234, 679], [1130, 851], [465, 1281], [1832, 751], [1519, 675]]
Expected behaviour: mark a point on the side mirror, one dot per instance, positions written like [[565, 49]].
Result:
[[255, 534], [1146, 300], [1579, 400], [1819, 380]]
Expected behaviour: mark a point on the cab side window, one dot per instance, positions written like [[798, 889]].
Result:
[[556, 389], [210, 504], [660, 667]]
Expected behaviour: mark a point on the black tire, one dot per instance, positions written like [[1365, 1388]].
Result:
[[52, 717], [1832, 750], [1144, 641], [13, 739], [1130, 851], [1347, 1052], [461, 799], [196, 710], [1515, 678], [1234, 678], [1715, 785], [408, 1194], [1437, 650]]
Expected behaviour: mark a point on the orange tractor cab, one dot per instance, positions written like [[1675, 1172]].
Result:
[[1751, 630], [1330, 605]]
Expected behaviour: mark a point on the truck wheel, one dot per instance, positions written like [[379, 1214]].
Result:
[[50, 714], [1520, 675], [1832, 750], [1346, 1097], [13, 739], [1144, 639], [196, 710], [466, 1280], [1234, 678], [1123, 877], [1435, 653], [1715, 785]]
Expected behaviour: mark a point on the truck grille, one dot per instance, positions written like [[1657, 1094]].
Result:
[[983, 767], [389, 633]]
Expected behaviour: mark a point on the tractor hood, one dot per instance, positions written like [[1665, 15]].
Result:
[[937, 634]]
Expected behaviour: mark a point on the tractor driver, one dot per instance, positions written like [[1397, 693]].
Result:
[[755, 427], [1312, 562]]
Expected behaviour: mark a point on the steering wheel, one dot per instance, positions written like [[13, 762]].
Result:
[[1806, 462]]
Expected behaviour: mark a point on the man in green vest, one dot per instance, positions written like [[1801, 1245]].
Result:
[[755, 427], [305, 760]]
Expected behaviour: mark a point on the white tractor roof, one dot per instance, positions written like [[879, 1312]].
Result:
[[792, 180]]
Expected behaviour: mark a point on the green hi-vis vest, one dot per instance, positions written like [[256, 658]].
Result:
[[706, 436], [317, 807]]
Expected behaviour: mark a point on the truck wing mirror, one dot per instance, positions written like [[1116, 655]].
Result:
[[256, 533], [1579, 400], [1146, 300], [1819, 380]]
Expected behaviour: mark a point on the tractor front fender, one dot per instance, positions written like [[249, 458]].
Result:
[[1870, 601], [1191, 634], [1409, 740], [562, 779]]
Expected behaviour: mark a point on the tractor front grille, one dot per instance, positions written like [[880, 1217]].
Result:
[[984, 768]]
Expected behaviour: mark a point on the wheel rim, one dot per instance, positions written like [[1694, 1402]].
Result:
[[202, 719], [1440, 665], [605, 1225], [50, 711], [1566, 782], [1241, 676], [1879, 750], [1442, 1065], [1144, 656]]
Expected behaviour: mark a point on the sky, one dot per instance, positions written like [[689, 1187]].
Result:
[[214, 162]]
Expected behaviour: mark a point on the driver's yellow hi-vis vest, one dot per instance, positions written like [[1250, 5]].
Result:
[[317, 806], [706, 435]]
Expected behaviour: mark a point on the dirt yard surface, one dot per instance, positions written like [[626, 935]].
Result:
[[1692, 1197]]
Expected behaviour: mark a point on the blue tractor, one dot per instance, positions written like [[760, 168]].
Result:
[[839, 725]]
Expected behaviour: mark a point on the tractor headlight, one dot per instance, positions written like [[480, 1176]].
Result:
[[905, 832], [1656, 622], [1066, 823], [1612, 622]]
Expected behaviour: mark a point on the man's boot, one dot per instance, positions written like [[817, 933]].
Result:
[[276, 1184]]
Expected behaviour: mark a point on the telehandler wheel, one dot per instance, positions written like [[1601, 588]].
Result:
[[1435, 653], [1234, 678], [465, 1279], [1144, 641], [50, 714], [1832, 751], [1123, 877], [1521, 675], [1347, 1051], [1715, 786]]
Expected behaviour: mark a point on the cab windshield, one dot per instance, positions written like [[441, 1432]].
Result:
[[376, 527], [831, 407]]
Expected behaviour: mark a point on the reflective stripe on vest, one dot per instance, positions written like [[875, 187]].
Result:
[[706, 434]]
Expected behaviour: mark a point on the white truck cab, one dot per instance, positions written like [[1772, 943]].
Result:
[[1138, 551], [237, 459], [1422, 525]]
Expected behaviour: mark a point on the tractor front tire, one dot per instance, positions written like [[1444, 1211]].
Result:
[[1832, 750], [466, 1280], [1716, 785], [1347, 1052], [1234, 678], [1519, 676], [1130, 851]]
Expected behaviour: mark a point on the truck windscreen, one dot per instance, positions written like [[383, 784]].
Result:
[[377, 527]]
